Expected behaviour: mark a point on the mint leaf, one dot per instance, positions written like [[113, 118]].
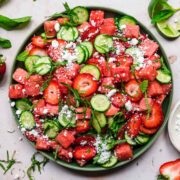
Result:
[[5, 43], [22, 56], [144, 86], [161, 177], [164, 67]]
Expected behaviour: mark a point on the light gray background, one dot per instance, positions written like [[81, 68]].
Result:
[[145, 167]]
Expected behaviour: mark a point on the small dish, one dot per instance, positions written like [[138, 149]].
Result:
[[174, 126]]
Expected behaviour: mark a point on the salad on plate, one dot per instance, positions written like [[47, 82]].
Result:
[[90, 89]]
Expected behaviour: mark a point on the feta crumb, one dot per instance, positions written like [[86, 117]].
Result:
[[55, 44], [133, 41], [93, 23], [18, 112], [112, 59], [57, 27], [123, 26], [128, 105], [70, 154], [13, 104], [111, 93], [45, 111]]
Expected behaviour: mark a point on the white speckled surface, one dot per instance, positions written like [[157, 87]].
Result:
[[145, 167]]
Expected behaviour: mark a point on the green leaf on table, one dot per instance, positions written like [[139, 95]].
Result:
[[22, 56], [9, 24], [144, 86], [5, 43]]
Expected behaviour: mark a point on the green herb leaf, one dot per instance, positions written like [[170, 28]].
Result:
[[161, 177], [5, 43], [162, 15], [164, 67], [144, 86], [9, 24], [22, 56]]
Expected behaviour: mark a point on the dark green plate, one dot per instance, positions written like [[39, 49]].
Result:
[[138, 151]]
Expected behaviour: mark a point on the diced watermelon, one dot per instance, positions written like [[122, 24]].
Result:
[[20, 75], [42, 144], [17, 91], [108, 27], [155, 89], [49, 28], [131, 31], [65, 154], [96, 17]]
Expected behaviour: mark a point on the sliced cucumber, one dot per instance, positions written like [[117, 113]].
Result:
[[30, 62], [110, 121], [89, 47], [142, 139], [81, 15], [68, 33], [51, 129], [112, 161], [103, 43], [100, 102], [91, 69], [43, 65], [126, 20], [129, 139], [80, 54], [65, 122], [163, 77], [23, 104], [27, 120], [96, 125], [101, 118], [85, 51]]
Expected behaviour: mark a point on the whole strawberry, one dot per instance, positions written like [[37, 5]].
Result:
[[2, 66]]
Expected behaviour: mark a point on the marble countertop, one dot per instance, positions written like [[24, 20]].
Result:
[[145, 167]]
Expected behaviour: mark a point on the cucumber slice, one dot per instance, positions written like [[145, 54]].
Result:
[[91, 69], [65, 122], [80, 54], [89, 47], [96, 125], [126, 20], [103, 43], [129, 140], [101, 118], [100, 103], [85, 51], [51, 129], [23, 104], [29, 63], [142, 139], [43, 65], [68, 33], [112, 161], [110, 121], [27, 120], [163, 77], [81, 15]]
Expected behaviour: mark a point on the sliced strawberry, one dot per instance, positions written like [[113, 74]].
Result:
[[84, 152], [133, 125], [20, 75], [171, 170], [112, 111], [38, 41], [149, 47], [145, 103], [96, 17], [82, 126], [154, 89], [65, 138], [108, 27], [118, 100], [17, 91], [85, 140], [62, 21], [148, 131], [85, 84], [133, 90], [123, 151], [42, 144], [49, 28], [106, 85], [52, 109], [29, 47], [52, 93], [65, 154], [83, 113], [2, 66], [39, 107], [38, 52], [131, 31], [156, 117]]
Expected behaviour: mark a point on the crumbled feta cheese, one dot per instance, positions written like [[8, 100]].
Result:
[[123, 26], [133, 41], [66, 111], [112, 59], [104, 156], [57, 27], [71, 45], [34, 132], [111, 93], [13, 104], [69, 57], [55, 44], [93, 23], [70, 154], [128, 105], [45, 111], [18, 112]]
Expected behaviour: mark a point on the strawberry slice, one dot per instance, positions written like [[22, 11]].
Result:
[[65, 138], [20, 75], [118, 100], [17, 91], [84, 152], [154, 89], [144, 103], [52, 93], [112, 111], [171, 170], [133, 90], [38, 52], [156, 117], [2, 66], [148, 131], [133, 125], [38, 41], [123, 151], [82, 126], [85, 140], [83, 113], [106, 84], [62, 21]]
